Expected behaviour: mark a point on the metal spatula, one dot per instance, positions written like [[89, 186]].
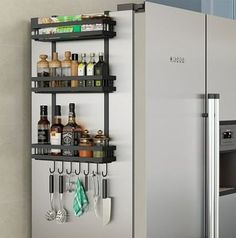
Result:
[[106, 203]]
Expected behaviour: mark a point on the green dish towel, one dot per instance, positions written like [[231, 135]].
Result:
[[80, 204]]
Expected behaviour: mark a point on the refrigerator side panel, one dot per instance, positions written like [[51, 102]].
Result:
[[221, 79], [139, 123], [174, 124]]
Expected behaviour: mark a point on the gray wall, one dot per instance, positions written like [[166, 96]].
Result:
[[15, 176], [194, 5]]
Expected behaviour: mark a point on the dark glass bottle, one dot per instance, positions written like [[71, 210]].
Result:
[[56, 131], [43, 129], [100, 68], [71, 132]]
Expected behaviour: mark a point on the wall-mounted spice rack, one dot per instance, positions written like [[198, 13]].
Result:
[[106, 86]]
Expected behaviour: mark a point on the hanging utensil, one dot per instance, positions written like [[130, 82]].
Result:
[[61, 216], [96, 195], [51, 214], [106, 204]]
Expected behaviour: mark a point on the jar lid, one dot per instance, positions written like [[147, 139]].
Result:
[[66, 63], [85, 137], [100, 138]]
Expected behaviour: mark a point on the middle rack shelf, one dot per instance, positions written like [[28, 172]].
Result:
[[108, 153], [88, 84]]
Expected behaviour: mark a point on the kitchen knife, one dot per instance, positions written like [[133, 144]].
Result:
[[106, 204]]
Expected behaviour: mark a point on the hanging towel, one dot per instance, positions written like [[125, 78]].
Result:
[[80, 204]]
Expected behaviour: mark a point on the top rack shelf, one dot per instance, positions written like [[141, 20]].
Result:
[[106, 32]]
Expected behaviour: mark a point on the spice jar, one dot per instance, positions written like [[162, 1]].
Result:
[[99, 140], [66, 68], [86, 141], [55, 69], [43, 70]]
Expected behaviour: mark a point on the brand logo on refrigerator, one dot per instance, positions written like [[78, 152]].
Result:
[[178, 60]]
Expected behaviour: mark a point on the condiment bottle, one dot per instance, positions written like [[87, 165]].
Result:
[[74, 70], [55, 69], [86, 141], [66, 68], [99, 140], [43, 70]]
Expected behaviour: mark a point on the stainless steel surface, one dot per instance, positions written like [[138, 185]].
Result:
[[221, 38], [212, 175], [210, 170], [174, 125], [217, 164], [89, 109]]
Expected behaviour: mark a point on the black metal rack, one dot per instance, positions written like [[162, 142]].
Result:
[[106, 88], [107, 84], [106, 33]]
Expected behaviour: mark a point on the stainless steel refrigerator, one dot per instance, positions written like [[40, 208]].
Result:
[[175, 82], [190, 87]]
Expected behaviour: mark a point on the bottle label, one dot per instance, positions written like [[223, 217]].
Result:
[[43, 136], [90, 69], [81, 70], [55, 140], [70, 138]]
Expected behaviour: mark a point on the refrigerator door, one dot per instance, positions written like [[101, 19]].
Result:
[[175, 51], [221, 65]]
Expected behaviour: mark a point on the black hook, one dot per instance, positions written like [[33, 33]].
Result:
[[54, 168], [105, 174], [96, 171], [87, 171], [69, 172], [62, 169], [79, 170]]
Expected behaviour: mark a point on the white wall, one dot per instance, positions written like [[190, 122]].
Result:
[[15, 176]]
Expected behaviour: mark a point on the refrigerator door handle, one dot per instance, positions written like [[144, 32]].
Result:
[[212, 165]]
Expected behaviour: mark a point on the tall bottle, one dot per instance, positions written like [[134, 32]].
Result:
[[74, 70], [43, 129], [56, 131], [66, 69], [100, 68], [82, 68], [91, 64], [43, 70], [55, 69], [71, 132]]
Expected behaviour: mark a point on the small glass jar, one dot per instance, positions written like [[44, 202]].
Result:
[[86, 141], [43, 70], [66, 69], [55, 70], [100, 140]]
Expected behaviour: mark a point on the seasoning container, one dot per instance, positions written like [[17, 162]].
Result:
[[99, 140], [55, 69], [86, 141], [43, 70], [74, 70], [66, 69]]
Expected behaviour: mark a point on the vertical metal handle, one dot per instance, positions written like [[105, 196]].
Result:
[[212, 163]]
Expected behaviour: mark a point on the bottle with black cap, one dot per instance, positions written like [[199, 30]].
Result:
[[74, 70], [71, 132], [43, 129], [56, 131]]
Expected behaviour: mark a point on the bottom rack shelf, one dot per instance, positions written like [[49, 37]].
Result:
[[107, 150]]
